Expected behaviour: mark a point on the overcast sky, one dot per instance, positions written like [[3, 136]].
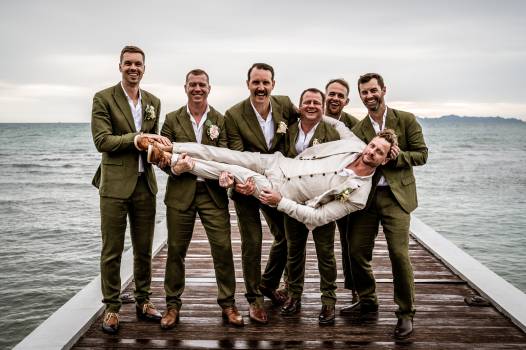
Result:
[[437, 58]]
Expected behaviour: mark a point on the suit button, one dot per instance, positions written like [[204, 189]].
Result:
[[299, 176], [336, 172], [301, 158], [288, 178], [323, 174], [311, 175]]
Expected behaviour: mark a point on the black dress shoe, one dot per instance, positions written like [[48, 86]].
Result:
[[358, 307], [404, 328], [292, 306], [327, 315]]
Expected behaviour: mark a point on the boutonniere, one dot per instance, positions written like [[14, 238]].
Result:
[[149, 113], [212, 130], [282, 127], [315, 142], [344, 195]]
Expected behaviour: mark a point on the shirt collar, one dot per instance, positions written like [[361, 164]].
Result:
[[128, 97], [375, 124], [260, 118]]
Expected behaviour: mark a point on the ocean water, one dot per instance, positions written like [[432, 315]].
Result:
[[472, 191]]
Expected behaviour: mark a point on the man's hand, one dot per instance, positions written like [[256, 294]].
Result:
[[270, 197], [184, 164], [395, 151], [248, 188], [226, 180], [165, 160], [165, 141]]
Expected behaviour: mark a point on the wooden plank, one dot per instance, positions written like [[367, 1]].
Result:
[[443, 320]]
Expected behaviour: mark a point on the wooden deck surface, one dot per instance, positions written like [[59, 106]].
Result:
[[443, 320]]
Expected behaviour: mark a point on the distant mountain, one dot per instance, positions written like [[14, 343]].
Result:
[[466, 119]]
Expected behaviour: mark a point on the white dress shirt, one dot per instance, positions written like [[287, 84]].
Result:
[[198, 128], [377, 128], [304, 139], [267, 125], [136, 111]]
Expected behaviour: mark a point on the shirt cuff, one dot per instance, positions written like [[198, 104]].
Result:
[[135, 141]]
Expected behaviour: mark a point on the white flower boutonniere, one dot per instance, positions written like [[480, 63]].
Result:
[[315, 142], [212, 130], [344, 195], [282, 128], [149, 113]]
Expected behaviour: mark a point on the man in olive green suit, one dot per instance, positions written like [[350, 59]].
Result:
[[390, 203], [308, 131], [126, 183], [187, 195], [337, 97], [259, 124]]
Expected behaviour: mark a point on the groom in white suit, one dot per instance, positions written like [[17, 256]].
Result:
[[322, 184]]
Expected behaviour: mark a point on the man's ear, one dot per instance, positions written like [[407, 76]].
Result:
[[387, 159]]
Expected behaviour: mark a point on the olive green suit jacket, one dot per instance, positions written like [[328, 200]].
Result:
[[413, 151], [323, 133], [180, 189], [348, 120], [113, 131], [244, 132]]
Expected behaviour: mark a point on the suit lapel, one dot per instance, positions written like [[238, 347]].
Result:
[[144, 102], [252, 121], [391, 119], [186, 124], [319, 134], [293, 132], [368, 130], [277, 117], [211, 119], [122, 102]]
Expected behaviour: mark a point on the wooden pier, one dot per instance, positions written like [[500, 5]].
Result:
[[443, 320]]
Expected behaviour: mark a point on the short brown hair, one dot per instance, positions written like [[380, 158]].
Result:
[[197, 71], [367, 77], [389, 135], [315, 91], [340, 81], [263, 66], [132, 49]]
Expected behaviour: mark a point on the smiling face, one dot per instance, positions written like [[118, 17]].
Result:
[[376, 152], [336, 99], [311, 106], [197, 88], [372, 95], [260, 84], [131, 68]]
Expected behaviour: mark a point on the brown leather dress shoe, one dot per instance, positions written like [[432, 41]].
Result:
[[277, 296], [147, 311], [232, 316], [170, 318], [327, 315], [257, 313], [110, 322], [292, 306], [404, 328], [358, 307]]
